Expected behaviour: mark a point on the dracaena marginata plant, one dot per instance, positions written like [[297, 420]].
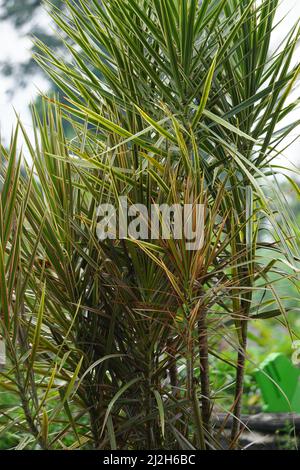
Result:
[[113, 343]]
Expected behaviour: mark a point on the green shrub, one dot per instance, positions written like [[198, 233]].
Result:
[[111, 343]]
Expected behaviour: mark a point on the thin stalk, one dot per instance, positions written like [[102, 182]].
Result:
[[204, 369], [192, 393], [239, 387]]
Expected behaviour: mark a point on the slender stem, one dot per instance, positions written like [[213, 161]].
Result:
[[204, 369], [31, 422], [239, 388], [198, 421], [172, 352], [96, 430]]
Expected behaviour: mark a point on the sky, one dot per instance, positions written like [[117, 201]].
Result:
[[17, 49]]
